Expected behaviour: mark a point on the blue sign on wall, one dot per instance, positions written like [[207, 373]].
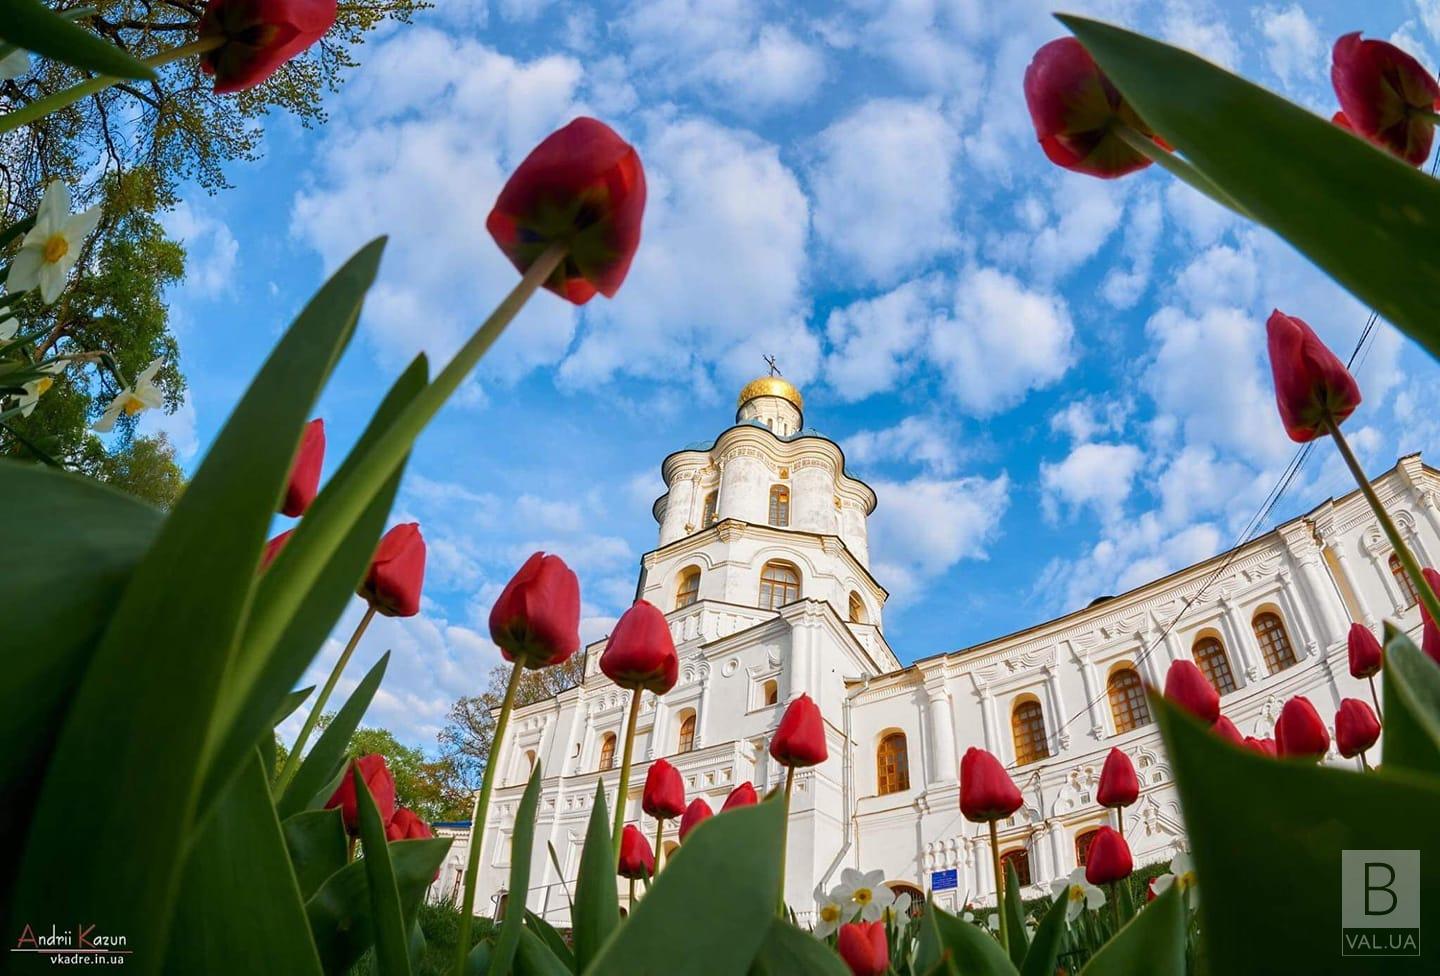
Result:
[[944, 880]]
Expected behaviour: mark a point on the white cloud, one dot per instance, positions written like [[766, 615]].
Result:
[[883, 182], [1087, 212], [925, 526], [1084, 420], [1192, 24], [211, 251], [1123, 287], [923, 441], [1293, 48], [178, 427], [876, 341], [1098, 476]]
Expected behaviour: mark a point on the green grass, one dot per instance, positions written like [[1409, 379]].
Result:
[[440, 924]]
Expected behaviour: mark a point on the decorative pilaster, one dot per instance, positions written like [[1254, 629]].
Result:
[[987, 715], [1295, 613], [1342, 559], [1092, 696], [941, 726], [1057, 707], [1239, 636], [1316, 589], [702, 710]]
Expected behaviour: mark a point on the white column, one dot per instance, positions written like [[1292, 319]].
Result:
[[1295, 614], [658, 729], [1241, 638], [1428, 506], [1092, 696], [702, 710], [941, 751], [987, 715], [1418, 545], [1318, 590], [1343, 560], [1172, 644], [1150, 658], [1387, 580], [1058, 714]]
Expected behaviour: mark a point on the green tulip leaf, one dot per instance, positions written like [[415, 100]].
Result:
[[553, 940], [534, 957], [1362, 215], [291, 702], [1151, 944], [520, 851], [787, 950], [597, 905], [1015, 917], [392, 942], [317, 845], [958, 947], [1045, 946], [1411, 730], [32, 26], [710, 909]]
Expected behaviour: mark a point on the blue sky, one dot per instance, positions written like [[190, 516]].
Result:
[[1056, 385]]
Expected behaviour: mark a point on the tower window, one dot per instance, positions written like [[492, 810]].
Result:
[[857, 608], [687, 733], [1127, 700], [607, 751], [1027, 726], [1274, 642], [1210, 656], [892, 764], [711, 500], [689, 589], [770, 692], [1407, 588], [780, 506], [779, 585], [1083, 840]]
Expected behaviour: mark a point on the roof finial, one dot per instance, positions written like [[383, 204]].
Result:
[[774, 370]]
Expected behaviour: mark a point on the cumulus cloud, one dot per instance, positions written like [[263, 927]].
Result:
[[1087, 419], [1097, 476], [876, 341], [927, 442], [926, 525], [211, 251], [1293, 48]]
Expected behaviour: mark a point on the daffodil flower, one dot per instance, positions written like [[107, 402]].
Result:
[[14, 64], [829, 912], [37, 387], [1182, 873], [53, 245], [865, 892], [141, 395], [898, 911], [8, 328], [1078, 893]]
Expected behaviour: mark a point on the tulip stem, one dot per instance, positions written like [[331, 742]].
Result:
[[292, 761], [1402, 551], [477, 821], [42, 107], [631, 903], [659, 834], [999, 886], [785, 835], [1115, 904], [1375, 695], [622, 791], [1364, 763], [1179, 168]]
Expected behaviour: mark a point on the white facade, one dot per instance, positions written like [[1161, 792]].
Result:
[[742, 660]]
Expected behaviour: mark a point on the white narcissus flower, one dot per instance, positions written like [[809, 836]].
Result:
[[829, 912], [1079, 894], [8, 328], [993, 922], [52, 247], [866, 892], [37, 387], [140, 395], [14, 64], [1182, 872], [898, 911]]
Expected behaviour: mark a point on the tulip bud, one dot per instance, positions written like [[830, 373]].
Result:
[[864, 947], [377, 780], [583, 186], [1119, 786], [1266, 747], [259, 37], [1299, 732], [1356, 727], [695, 814], [986, 791], [1429, 633], [1366, 654], [1187, 687], [273, 547], [1226, 729], [1312, 385], [397, 571], [664, 797], [536, 619], [1386, 96], [1108, 858], [305, 472], [636, 859], [800, 739], [640, 652], [741, 796], [405, 825], [1076, 112]]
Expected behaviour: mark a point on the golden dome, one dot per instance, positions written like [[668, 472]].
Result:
[[776, 386]]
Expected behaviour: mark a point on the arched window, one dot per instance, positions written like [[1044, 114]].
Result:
[[1127, 700], [607, 751], [1027, 726], [1274, 642], [1407, 587], [857, 608], [1210, 656], [689, 589], [710, 502], [1020, 858], [687, 733], [779, 585], [780, 506], [917, 897], [770, 692], [892, 764], [1083, 840]]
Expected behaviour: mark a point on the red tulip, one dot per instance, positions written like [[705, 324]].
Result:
[[640, 652], [1299, 732], [1366, 654], [305, 472], [1265, 747], [583, 186], [405, 825], [986, 791], [377, 780], [864, 948], [741, 796], [1076, 112], [664, 797], [397, 571], [1150, 890], [259, 37], [1311, 383], [1356, 727], [636, 858], [1339, 119], [1385, 95], [1109, 858], [1187, 686], [1119, 786], [536, 620], [696, 813], [800, 739], [273, 547], [1429, 633], [1226, 729]]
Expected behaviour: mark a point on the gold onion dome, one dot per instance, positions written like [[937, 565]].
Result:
[[775, 386]]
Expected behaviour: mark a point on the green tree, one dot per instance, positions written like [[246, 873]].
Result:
[[420, 783], [147, 470]]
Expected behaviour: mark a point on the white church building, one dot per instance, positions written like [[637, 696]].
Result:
[[762, 566]]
